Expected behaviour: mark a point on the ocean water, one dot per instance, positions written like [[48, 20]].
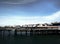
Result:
[[37, 39]]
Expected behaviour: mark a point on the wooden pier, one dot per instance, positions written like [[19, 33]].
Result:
[[42, 30]]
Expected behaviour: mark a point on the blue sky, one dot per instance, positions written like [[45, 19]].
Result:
[[13, 12]]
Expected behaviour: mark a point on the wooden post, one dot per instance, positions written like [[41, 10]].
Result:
[[15, 32], [31, 32], [9, 32]]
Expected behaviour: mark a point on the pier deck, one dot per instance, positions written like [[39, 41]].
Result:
[[32, 30]]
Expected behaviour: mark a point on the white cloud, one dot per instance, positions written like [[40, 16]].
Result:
[[20, 20]]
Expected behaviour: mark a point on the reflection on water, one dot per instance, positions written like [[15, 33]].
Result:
[[42, 39]]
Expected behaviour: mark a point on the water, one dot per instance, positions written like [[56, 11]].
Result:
[[41, 39]]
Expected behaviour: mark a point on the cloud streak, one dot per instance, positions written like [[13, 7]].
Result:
[[21, 20], [18, 1], [27, 2]]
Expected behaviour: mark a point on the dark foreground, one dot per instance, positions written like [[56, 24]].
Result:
[[41, 39]]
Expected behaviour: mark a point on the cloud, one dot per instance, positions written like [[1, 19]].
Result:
[[18, 1], [56, 3], [21, 20]]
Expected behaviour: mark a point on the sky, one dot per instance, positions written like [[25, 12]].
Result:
[[20, 12]]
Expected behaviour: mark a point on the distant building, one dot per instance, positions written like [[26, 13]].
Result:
[[24, 25], [18, 26], [56, 24], [39, 25]]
